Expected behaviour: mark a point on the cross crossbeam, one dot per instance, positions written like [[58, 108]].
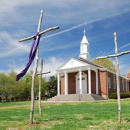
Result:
[[110, 56], [41, 33], [43, 73]]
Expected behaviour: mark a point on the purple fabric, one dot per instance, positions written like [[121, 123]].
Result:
[[31, 57]]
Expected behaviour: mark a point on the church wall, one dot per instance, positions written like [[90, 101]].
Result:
[[72, 83], [120, 82], [93, 82], [112, 89], [128, 75], [123, 83], [62, 85], [102, 80]]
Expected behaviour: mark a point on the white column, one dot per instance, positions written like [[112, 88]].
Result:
[[58, 89], [96, 82], [66, 83], [89, 81], [80, 81]]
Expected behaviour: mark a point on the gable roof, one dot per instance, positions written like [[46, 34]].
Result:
[[91, 63], [72, 63]]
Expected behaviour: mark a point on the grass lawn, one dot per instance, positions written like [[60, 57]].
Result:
[[98, 115]]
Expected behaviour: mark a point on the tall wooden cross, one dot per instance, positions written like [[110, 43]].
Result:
[[117, 73], [36, 61], [40, 84]]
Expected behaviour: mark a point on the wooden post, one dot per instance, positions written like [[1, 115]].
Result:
[[40, 84], [34, 73], [117, 79]]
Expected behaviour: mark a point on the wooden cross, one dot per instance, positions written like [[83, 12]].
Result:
[[117, 73], [40, 84], [36, 61]]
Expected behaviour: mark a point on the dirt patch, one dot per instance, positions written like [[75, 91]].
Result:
[[11, 107]]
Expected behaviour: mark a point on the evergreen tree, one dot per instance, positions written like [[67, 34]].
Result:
[[52, 86]]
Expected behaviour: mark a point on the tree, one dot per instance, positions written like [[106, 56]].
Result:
[[52, 86], [2, 81], [8, 85], [27, 81], [43, 88], [105, 63], [4, 88], [16, 88]]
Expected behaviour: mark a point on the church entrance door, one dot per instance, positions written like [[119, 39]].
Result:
[[84, 83]]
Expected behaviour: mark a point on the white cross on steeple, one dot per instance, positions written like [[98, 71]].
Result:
[[84, 31]]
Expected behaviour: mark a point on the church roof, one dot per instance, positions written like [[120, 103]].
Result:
[[91, 63], [73, 65]]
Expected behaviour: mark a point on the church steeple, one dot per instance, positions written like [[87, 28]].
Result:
[[84, 48]]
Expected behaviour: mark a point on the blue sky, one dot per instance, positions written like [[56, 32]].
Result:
[[100, 19]]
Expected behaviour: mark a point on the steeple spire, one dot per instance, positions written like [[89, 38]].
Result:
[[84, 48]]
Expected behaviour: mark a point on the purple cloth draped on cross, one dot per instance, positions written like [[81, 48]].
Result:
[[31, 56]]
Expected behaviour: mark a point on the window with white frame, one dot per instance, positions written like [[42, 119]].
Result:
[[126, 85], [114, 81], [109, 82], [122, 84]]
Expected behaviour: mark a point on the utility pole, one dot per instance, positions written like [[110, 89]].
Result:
[[117, 73], [36, 61]]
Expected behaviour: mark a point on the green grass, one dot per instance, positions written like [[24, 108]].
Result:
[[99, 115]]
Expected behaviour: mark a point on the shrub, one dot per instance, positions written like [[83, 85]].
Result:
[[122, 95], [112, 96]]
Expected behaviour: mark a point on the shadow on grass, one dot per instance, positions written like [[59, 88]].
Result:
[[87, 118]]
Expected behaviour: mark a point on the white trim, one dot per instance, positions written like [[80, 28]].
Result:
[[58, 89], [72, 59], [89, 81], [66, 83], [80, 81]]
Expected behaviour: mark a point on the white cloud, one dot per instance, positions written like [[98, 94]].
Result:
[[51, 64], [10, 45]]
